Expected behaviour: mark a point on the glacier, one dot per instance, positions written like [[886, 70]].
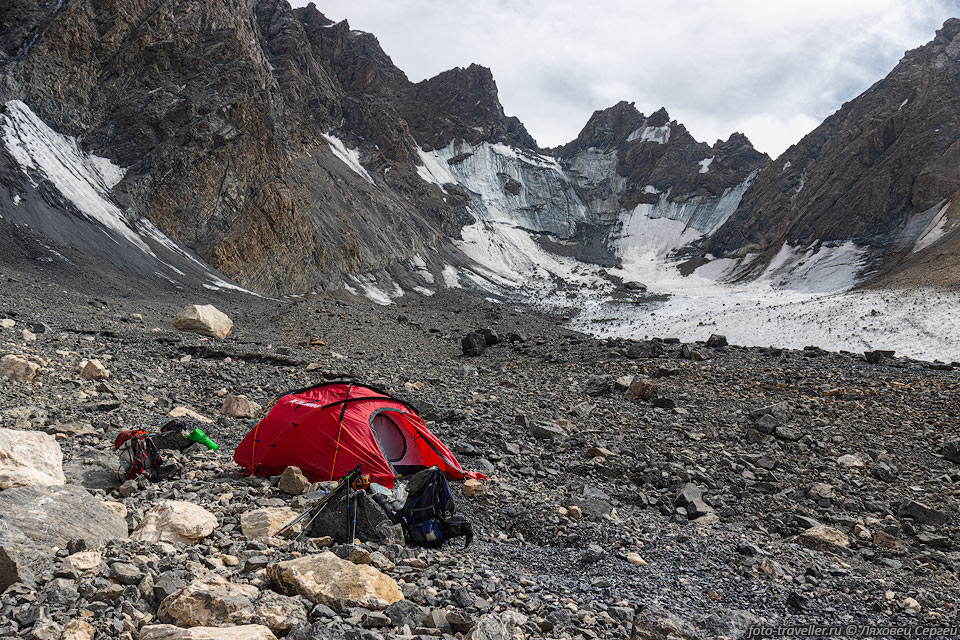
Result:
[[802, 297]]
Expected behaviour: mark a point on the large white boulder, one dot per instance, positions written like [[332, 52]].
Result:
[[175, 521], [29, 458], [204, 319], [213, 601], [242, 632], [324, 578]]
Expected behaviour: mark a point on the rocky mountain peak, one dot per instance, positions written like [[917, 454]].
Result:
[[460, 104], [606, 129], [948, 32], [659, 118]]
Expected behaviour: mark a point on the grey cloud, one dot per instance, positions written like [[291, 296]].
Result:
[[770, 70]]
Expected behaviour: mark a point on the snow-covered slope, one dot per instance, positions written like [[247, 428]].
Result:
[[63, 196]]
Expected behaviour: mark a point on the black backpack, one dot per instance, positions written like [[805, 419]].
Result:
[[427, 515]]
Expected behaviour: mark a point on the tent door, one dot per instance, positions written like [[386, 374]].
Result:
[[390, 436]]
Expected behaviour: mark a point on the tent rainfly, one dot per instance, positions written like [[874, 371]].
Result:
[[328, 429]]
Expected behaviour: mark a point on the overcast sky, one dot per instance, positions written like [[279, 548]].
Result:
[[772, 70]]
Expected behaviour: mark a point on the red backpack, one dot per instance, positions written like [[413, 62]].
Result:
[[138, 454]]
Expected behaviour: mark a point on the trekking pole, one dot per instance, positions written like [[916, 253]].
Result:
[[353, 523], [349, 540]]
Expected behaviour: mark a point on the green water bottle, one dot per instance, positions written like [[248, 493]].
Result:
[[197, 435]]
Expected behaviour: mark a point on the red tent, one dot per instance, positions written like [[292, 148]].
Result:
[[328, 429]]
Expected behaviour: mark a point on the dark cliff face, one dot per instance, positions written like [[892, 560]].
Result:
[[884, 158], [218, 110]]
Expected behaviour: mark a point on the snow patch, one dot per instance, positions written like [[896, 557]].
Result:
[[418, 264], [349, 157], [705, 164], [381, 290], [903, 104], [16, 199], [934, 231], [651, 189], [660, 135], [83, 179], [433, 170], [451, 279]]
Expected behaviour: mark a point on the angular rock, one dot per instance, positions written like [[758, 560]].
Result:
[[126, 573], [889, 543], [716, 340], [406, 612], [263, 523], [53, 516], [293, 481], [94, 468], [78, 630], [787, 433], [473, 344], [853, 460], [371, 520], [213, 601], [823, 538], [821, 491], [664, 402], [29, 458], [474, 488], [884, 471], [642, 388], [593, 553], [175, 521], [490, 336], [18, 369], [20, 560], [951, 450], [326, 579], [923, 514], [187, 412], [500, 626], [599, 385], [767, 424], [241, 632], [692, 353], [83, 564], [204, 319], [645, 349], [691, 498], [546, 430], [781, 411], [93, 370], [239, 407]]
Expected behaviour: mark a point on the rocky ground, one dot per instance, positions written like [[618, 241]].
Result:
[[739, 486]]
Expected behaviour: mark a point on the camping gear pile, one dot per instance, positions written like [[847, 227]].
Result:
[[362, 437], [139, 452]]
